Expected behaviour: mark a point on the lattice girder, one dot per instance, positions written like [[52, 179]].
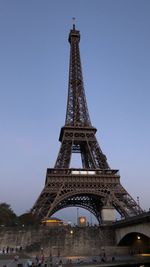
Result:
[[87, 202], [101, 187], [83, 141], [77, 111]]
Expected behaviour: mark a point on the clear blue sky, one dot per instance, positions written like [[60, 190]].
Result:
[[34, 63]]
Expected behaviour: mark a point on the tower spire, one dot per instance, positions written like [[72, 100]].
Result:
[[74, 19], [77, 111]]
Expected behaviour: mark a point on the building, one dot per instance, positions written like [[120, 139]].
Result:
[[52, 222]]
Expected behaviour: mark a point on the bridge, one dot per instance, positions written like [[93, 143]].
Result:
[[134, 231]]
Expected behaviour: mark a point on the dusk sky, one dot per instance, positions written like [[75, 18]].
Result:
[[34, 65]]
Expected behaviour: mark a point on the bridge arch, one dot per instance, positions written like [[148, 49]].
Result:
[[137, 242], [141, 229]]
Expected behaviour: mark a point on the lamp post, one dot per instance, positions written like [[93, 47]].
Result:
[[91, 219], [77, 216]]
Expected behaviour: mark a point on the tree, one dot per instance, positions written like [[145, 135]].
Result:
[[7, 216], [28, 219]]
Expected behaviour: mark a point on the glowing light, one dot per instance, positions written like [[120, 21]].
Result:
[[138, 237], [82, 220], [50, 221]]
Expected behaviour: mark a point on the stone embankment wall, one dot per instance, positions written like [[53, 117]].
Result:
[[60, 241]]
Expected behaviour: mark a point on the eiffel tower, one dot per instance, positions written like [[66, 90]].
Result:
[[95, 187]]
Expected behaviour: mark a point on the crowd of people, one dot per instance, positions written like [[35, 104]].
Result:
[[10, 250]]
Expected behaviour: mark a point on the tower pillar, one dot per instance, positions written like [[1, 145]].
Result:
[[108, 214]]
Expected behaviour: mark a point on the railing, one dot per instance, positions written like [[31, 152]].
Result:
[[141, 217]]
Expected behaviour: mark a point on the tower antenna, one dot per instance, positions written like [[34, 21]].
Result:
[[73, 20]]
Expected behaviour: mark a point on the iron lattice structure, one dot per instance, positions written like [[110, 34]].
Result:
[[94, 186]]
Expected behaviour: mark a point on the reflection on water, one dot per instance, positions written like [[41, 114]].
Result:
[[133, 265], [137, 265]]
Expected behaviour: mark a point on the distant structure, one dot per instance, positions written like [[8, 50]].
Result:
[[52, 222], [95, 187], [82, 221]]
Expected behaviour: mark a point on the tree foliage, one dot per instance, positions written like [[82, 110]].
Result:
[[7, 216], [27, 219]]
